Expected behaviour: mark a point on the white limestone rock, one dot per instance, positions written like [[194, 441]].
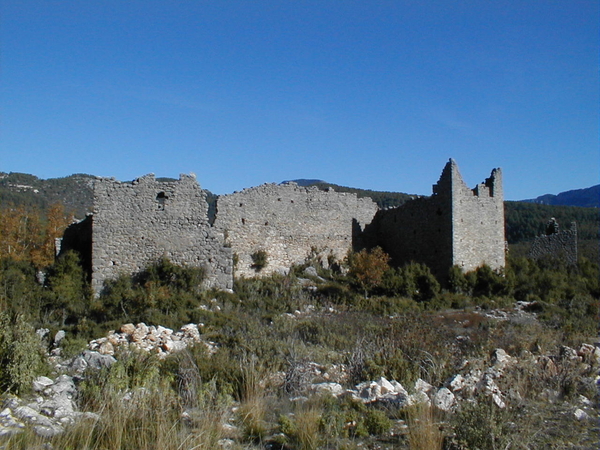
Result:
[[41, 383], [444, 399], [334, 389]]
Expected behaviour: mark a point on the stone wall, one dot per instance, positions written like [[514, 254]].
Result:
[[288, 222], [455, 226], [559, 244], [478, 229], [135, 224]]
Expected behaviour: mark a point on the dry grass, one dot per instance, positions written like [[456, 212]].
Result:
[[424, 428], [307, 428], [150, 421]]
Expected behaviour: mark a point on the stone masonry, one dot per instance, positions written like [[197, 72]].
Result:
[[455, 226], [557, 244], [289, 222], [135, 224]]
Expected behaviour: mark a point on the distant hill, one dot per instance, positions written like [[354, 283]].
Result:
[[74, 191], [586, 198]]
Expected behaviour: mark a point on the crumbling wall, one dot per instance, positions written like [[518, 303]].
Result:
[[135, 224], [455, 226], [288, 222], [556, 244]]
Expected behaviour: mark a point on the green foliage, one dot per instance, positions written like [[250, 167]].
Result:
[[21, 354], [482, 425], [413, 280], [259, 260], [162, 293], [377, 422], [133, 370], [488, 283], [458, 282], [68, 295], [20, 293], [275, 293], [524, 221]]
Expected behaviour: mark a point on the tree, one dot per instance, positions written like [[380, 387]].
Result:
[[368, 268]]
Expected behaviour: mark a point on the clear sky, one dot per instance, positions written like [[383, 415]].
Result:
[[370, 94]]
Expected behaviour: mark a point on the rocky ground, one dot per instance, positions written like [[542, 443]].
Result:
[[499, 379]]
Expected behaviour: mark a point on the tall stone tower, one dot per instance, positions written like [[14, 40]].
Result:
[[477, 218], [455, 226]]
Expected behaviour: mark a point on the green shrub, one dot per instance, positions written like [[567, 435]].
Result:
[[377, 422], [482, 425], [163, 293], [413, 280], [68, 295], [259, 260], [20, 292], [458, 282], [21, 354]]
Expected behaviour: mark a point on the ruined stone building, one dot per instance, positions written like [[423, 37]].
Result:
[[135, 224], [556, 243], [455, 226], [288, 222]]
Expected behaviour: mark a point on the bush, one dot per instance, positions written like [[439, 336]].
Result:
[[21, 354], [377, 422], [68, 297], [368, 267], [20, 292], [259, 260], [162, 293], [413, 280]]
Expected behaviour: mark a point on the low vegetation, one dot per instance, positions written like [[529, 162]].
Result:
[[276, 336]]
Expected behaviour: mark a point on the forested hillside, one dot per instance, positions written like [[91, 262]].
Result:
[[74, 192]]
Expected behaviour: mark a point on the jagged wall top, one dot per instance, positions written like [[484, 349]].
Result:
[[451, 183]]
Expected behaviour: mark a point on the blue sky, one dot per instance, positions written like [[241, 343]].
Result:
[[371, 94]]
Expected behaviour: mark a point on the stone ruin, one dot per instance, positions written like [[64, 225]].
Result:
[[135, 224], [289, 222], [556, 243], [455, 226]]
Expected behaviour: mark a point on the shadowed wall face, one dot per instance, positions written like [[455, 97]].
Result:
[[455, 226]]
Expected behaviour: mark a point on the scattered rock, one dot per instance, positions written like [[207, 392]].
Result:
[[444, 399], [580, 414], [58, 337]]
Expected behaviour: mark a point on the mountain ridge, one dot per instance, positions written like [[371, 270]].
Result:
[[585, 198]]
